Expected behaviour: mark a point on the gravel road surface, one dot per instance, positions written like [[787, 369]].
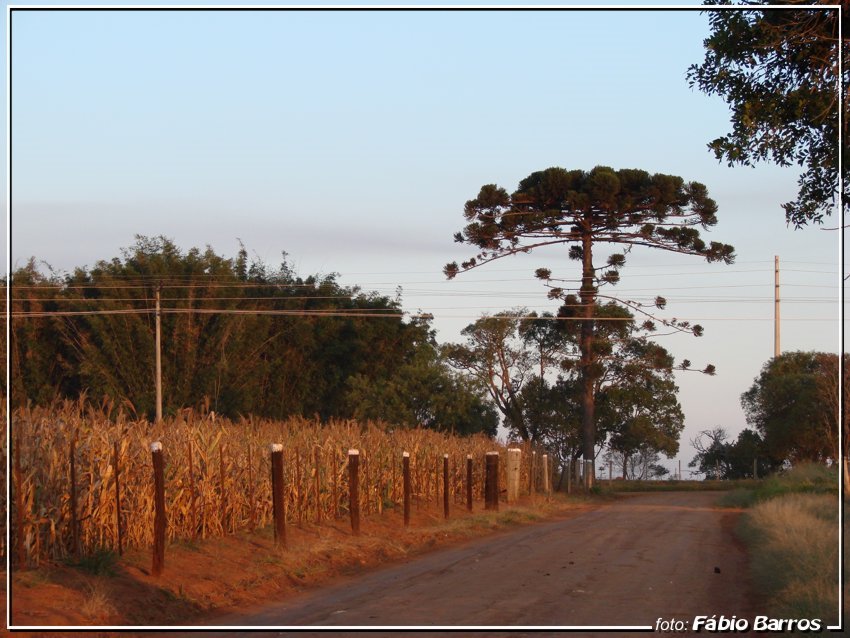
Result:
[[668, 556]]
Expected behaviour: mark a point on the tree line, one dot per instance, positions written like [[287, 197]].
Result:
[[242, 338], [238, 337]]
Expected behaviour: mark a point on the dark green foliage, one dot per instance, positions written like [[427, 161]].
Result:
[[424, 391], [778, 71], [642, 405], [39, 358], [629, 207], [788, 406], [99, 563], [220, 352], [515, 356], [718, 458]]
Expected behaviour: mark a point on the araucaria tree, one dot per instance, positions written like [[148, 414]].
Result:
[[583, 209]]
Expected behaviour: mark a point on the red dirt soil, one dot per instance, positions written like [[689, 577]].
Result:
[[217, 575]]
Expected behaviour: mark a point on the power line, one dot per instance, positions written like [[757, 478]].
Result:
[[360, 289], [630, 265], [536, 295], [355, 314]]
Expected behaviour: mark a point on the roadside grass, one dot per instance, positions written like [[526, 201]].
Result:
[[806, 478], [791, 530]]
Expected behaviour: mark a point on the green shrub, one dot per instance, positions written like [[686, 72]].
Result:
[[740, 497], [99, 562]]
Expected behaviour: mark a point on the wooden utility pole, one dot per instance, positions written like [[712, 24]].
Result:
[[776, 349], [158, 358]]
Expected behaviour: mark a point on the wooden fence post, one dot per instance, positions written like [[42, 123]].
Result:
[[491, 481], [354, 490], [547, 486], [513, 466], [117, 498], [159, 512], [405, 465], [278, 502], [469, 482], [532, 473], [445, 485]]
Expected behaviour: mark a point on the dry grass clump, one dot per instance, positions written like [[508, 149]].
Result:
[[216, 472], [97, 606], [794, 548]]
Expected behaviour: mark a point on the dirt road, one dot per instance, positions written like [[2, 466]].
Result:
[[627, 564]]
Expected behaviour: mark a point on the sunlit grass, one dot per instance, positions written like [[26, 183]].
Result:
[[806, 478], [97, 605], [791, 529]]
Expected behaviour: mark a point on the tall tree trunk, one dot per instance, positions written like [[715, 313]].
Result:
[[588, 300]]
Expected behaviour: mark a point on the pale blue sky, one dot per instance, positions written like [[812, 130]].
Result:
[[351, 140]]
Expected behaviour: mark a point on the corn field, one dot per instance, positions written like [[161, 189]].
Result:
[[216, 475]]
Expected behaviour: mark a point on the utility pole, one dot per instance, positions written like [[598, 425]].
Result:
[[776, 349], [158, 358]]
